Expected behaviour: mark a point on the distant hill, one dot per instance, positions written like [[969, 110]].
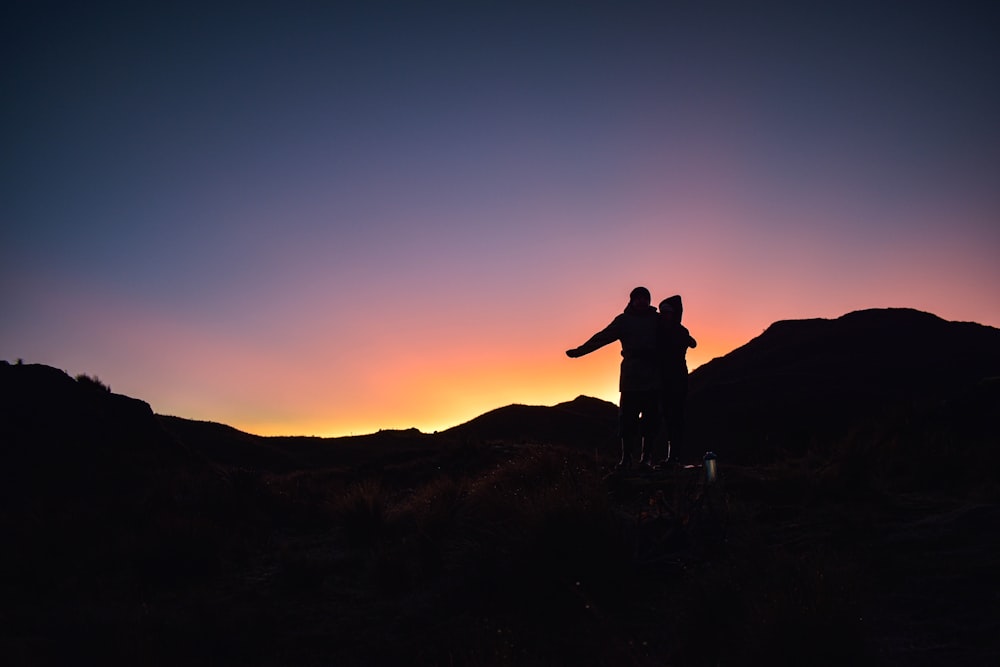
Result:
[[231, 447], [798, 383], [803, 380], [583, 422]]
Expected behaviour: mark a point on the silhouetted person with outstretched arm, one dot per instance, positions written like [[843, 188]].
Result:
[[639, 382], [674, 341]]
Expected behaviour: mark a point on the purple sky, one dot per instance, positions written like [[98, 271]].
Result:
[[336, 217]]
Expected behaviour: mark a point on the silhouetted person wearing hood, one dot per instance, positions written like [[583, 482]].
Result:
[[638, 410], [674, 341]]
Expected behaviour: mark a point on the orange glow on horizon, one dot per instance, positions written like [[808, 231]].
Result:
[[435, 396], [430, 372]]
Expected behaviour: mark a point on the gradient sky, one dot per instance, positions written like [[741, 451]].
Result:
[[331, 218]]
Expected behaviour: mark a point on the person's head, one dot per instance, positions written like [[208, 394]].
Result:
[[639, 298], [672, 307]]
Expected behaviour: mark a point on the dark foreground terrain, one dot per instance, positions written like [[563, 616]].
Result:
[[137, 539], [496, 553]]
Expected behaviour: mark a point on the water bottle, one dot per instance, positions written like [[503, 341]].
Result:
[[710, 467]]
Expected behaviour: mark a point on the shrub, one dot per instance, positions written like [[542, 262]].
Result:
[[363, 511], [92, 382]]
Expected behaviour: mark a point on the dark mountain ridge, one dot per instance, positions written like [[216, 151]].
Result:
[[799, 381], [904, 352], [806, 379]]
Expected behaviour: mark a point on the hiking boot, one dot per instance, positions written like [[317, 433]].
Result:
[[667, 464], [624, 464], [645, 460], [628, 446], [646, 454]]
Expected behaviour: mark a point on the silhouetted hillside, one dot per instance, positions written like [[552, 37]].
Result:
[[226, 445], [232, 448], [807, 380], [798, 383], [92, 486], [75, 435], [583, 422]]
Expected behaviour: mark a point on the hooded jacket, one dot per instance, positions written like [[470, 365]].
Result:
[[674, 341]]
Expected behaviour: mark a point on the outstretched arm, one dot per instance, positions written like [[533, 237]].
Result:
[[607, 335]]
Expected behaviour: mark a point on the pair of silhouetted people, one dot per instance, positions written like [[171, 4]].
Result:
[[653, 379]]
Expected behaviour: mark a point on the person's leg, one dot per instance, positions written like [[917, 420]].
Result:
[[665, 423], [629, 409], [674, 397], [676, 427], [650, 425]]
